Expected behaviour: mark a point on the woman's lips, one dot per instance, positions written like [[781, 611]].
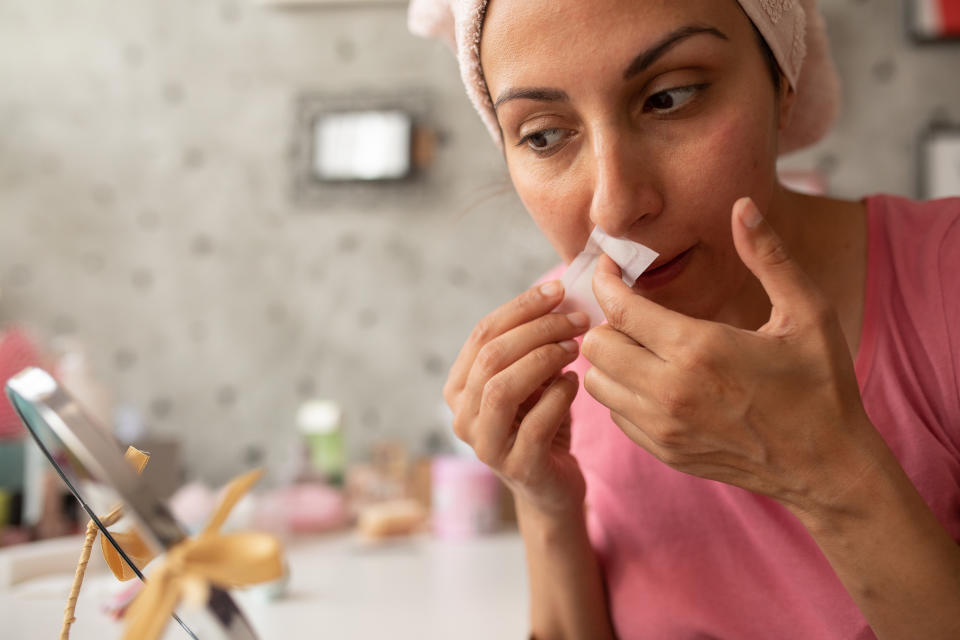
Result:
[[664, 272]]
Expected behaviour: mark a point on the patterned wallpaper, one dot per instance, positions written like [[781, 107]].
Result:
[[147, 208]]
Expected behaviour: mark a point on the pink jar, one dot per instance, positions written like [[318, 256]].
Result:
[[465, 497]]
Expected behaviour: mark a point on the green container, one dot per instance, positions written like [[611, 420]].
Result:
[[5, 515], [11, 465], [319, 423]]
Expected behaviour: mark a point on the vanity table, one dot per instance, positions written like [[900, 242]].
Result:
[[339, 588]]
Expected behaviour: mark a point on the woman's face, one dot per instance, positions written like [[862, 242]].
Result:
[[648, 118]]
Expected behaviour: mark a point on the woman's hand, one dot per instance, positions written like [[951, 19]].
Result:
[[776, 411], [511, 403]]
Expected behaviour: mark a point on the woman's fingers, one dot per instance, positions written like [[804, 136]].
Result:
[[529, 305], [617, 397], [618, 355], [638, 436], [502, 395], [659, 329], [501, 352], [539, 426]]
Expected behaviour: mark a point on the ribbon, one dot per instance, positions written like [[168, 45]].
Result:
[[138, 459], [211, 558], [132, 544]]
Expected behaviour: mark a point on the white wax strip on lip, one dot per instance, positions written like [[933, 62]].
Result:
[[632, 257]]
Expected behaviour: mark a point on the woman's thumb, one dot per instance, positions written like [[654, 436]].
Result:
[[764, 253]]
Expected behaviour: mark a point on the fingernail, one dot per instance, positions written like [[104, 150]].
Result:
[[749, 213], [579, 319], [550, 289], [570, 345], [570, 375]]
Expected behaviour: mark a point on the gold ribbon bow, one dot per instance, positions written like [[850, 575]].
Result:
[[191, 566], [133, 545], [131, 542]]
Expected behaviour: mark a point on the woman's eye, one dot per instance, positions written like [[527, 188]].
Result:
[[671, 99], [544, 141]]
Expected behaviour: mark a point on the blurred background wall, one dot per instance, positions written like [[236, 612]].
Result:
[[147, 209]]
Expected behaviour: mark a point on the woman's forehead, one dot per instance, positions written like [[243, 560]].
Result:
[[523, 33]]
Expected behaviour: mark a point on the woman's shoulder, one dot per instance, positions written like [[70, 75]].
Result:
[[918, 235], [918, 217], [912, 293]]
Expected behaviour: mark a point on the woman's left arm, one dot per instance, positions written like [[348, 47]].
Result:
[[777, 411], [894, 558]]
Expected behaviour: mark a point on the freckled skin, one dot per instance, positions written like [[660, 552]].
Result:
[[669, 182]]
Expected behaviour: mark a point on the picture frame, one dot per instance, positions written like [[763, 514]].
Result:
[[931, 21], [939, 161], [312, 190]]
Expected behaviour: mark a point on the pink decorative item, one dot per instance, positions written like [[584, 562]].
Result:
[[192, 505], [301, 508], [116, 605], [17, 352], [465, 497]]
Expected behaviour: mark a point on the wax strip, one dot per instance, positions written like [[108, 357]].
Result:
[[632, 257]]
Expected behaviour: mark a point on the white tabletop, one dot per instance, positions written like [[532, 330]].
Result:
[[339, 587]]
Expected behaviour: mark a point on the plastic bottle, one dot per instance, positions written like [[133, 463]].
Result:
[[320, 423]]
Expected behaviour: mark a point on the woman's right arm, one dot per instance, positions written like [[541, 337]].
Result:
[[511, 404], [567, 598]]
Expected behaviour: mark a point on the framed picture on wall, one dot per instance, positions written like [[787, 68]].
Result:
[[363, 150], [939, 161], [934, 20]]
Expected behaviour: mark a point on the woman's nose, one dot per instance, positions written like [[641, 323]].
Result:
[[625, 190]]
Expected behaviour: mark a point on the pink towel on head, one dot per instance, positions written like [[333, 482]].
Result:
[[794, 30]]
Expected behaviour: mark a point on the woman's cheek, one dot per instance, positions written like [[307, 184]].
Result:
[[556, 211], [738, 153]]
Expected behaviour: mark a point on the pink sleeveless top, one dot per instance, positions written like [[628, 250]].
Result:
[[687, 558]]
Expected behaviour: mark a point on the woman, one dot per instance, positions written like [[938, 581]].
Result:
[[767, 442]]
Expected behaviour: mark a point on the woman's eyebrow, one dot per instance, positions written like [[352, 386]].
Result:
[[648, 57], [639, 64], [544, 95]]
